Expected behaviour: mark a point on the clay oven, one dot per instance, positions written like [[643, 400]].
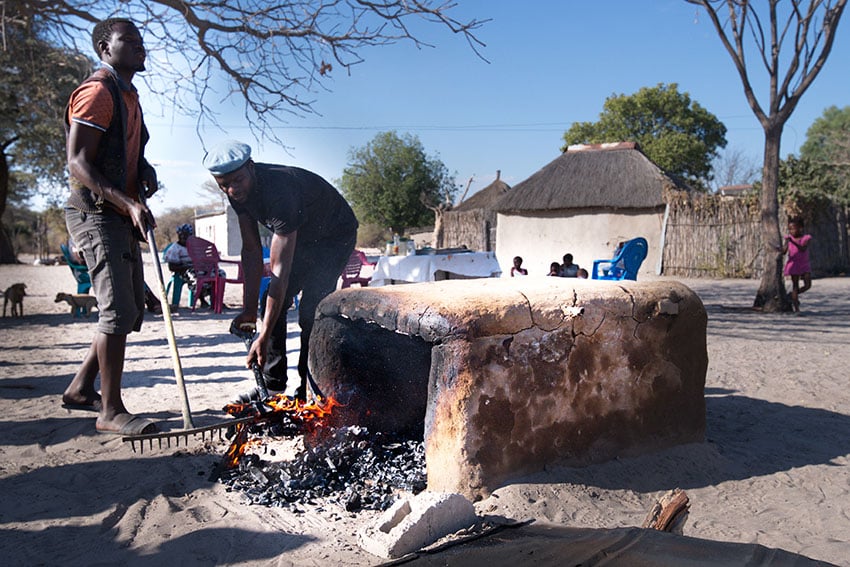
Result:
[[504, 376]]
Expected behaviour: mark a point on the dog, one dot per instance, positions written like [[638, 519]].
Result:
[[15, 294], [79, 302]]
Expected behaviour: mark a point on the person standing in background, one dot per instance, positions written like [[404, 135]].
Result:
[[796, 245]]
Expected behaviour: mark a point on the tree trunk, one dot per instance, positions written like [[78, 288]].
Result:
[[7, 251], [439, 232], [771, 296]]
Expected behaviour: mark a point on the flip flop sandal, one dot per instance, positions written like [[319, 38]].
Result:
[[135, 426], [95, 406]]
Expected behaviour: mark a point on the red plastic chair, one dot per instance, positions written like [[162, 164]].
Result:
[[205, 264], [352, 272]]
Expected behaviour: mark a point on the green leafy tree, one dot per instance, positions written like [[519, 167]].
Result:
[[392, 182], [802, 180], [792, 41], [827, 145], [35, 83], [672, 130]]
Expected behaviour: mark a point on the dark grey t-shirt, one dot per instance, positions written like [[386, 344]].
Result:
[[285, 199]]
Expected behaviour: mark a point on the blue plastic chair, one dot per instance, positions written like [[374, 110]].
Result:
[[264, 282], [80, 273], [625, 264], [176, 282]]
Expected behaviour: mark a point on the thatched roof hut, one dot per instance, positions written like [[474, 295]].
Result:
[[584, 202], [472, 223], [610, 176], [487, 197]]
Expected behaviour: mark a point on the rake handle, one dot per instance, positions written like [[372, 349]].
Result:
[[169, 329], [169, 323]]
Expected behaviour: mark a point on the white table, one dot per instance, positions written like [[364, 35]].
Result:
[[431, 267]]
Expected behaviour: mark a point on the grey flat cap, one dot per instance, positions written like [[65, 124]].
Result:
[[227, 157]]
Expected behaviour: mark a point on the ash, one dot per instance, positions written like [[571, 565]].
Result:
[[347, 466]]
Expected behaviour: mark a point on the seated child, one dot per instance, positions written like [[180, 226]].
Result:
[[180, 263], [517, 269], [568, 269]]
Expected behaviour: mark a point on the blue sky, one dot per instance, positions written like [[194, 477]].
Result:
[[551, 63]]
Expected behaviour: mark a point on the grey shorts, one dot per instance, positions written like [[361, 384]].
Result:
[[114, 259]]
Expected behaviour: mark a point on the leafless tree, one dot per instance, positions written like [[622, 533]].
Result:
[[792, 40], [211, 195], [268, 57], [733, 167], [439, 208]]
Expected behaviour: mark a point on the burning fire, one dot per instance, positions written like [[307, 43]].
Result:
[[310, 417], [237, 446]]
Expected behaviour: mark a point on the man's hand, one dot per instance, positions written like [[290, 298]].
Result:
[[149, 181], [249, 320], [259, 351], [142, 218]]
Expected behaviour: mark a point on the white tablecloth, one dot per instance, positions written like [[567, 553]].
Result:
[[427, 268]]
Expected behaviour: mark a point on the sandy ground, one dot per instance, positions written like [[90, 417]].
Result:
[[773, 469]]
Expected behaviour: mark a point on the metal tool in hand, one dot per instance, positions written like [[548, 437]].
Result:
[[246, 332], [314, 388]]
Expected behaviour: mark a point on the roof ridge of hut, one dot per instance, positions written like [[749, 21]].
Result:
[[485, 198], [604, 146]]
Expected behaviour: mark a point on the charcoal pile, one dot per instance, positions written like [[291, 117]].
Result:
[[347, 466]]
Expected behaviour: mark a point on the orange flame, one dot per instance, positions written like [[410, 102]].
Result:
[[237, 446], [311, 415]]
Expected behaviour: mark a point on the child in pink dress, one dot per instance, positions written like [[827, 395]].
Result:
[[796, 245]]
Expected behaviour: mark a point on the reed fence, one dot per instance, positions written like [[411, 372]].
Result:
[[713, 236]]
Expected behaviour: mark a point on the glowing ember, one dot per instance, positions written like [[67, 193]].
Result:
[[306, 418], [349, 467]]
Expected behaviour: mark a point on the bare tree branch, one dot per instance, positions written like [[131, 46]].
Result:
[[738, 26], [269, 57], [733, 167]]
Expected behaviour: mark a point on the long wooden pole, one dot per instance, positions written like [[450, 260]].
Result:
[[169, 328]]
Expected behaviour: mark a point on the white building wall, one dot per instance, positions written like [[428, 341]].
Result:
[[544, 238], [221, 229]]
